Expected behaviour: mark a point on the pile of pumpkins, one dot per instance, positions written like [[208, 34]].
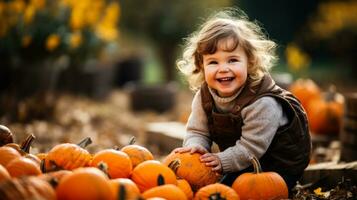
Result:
[[325, 109], [68, 171]]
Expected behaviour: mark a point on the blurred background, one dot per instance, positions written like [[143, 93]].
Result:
[[106, 68]]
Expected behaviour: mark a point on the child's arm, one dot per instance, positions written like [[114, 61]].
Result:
[[197, 134]]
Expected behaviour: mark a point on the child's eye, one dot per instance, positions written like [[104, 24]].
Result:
[[232, 60], [212, 62]]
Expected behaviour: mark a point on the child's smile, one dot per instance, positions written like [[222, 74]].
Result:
[[225, 71]]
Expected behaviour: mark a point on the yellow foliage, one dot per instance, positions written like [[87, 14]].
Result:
[[75, 39], [52, 42], [296, 58]]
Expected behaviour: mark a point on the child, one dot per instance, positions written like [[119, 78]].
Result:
[[238, 105]]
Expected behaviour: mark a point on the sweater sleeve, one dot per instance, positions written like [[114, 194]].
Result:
[[261, 120], [197, 132]]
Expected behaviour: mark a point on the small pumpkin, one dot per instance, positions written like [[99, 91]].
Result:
[[4, 174], [84, 183], [145, 174], [216, 191], [167, 191], [125, 188], [185, 187], [137, 153], [325, 114], [25, 146], [5, 135], [260, 185], [190, 167], [68, 156], [23, 167], [305, 90], [118, 163], [7, 154], [54, 177], [29, 187]]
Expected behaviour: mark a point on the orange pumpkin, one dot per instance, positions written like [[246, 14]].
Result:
[[5, 135], [67, 156], [185, 187], [167, 191], [84, 183], [216, 191], [190, 167], [26, 188], [126, 186], [4, 174], [118, 163], [260, 185], [325, 114], [137, 153], [7, 154], [305, 90], [54, 177], [23, 167], [146, 173]]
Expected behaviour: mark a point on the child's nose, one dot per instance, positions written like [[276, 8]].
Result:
[[223, 68]]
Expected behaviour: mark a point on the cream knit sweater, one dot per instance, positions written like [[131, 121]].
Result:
[[261, 120]]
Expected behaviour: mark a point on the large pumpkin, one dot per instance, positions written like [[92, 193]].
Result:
[[216, 191], [145, 175], [305, 90], [137, 153], [67, 156], [325, 114], [118, 163], [260, 185], [84, 183], [190, 167]]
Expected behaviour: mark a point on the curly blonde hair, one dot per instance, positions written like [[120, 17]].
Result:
[[227, 24]]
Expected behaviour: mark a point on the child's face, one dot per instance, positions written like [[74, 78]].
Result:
[[225, 71]]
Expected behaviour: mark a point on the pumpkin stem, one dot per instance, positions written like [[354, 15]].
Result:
[[160, 180], [216, 196], [26, 144], [174, 165], [104, 168], [331, 92], [85, 142], [122, 192], [132, 140], [256, 165], [43, 166]]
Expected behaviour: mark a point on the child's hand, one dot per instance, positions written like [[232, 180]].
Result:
[[212, 160], [192, 149]]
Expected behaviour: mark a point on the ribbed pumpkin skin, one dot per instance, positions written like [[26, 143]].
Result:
[[185, 187], [26, 188], [7, 154], [145, 175], [23, 167], [137, 154], [85, 183], [192, 169], [67, 156], [168, 191], [264, 185], [118, 163], [209, 191], [4, 174], [131, 190]]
